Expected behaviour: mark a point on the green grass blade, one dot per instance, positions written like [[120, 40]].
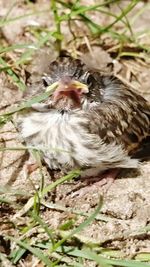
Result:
[[104, 261], [80, 227], [9, 20], [28, 103], [35, 251], [17, 255], [13, 75], [143, 256], [68, 177], [125, 11], [16, 46], [45, 227]]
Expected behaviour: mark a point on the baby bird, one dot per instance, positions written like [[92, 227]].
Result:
[[92, 121]]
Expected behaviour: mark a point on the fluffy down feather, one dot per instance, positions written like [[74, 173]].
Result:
[[103, 132]]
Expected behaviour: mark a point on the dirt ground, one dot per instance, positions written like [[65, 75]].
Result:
[[126, 209]]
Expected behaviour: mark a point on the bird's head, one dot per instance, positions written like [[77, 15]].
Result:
[[73, 84], [69, 93]]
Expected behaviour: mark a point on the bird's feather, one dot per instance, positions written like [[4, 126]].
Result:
[[102, 133]]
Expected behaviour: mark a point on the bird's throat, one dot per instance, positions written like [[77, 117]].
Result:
[[66, 103], [67, 100]]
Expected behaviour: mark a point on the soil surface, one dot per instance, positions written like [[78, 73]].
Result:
[[126, 209]]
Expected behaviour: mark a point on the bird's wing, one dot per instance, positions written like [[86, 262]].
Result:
[[121, 114]]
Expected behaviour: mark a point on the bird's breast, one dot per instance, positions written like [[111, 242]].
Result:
[[67, 142], [61, 136]]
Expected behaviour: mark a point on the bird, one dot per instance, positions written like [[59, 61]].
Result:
[[92, 121]]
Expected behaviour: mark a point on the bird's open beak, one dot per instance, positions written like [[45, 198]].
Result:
[[81, 86], [78, 85]]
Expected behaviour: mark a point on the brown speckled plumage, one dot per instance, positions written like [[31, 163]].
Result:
[[103, 132]]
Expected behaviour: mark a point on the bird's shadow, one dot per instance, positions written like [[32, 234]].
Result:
[[86, 182], [129, 173]]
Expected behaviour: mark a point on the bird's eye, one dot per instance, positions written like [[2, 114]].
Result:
[[46, 81], [89, 80]]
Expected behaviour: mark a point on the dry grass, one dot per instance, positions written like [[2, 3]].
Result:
[[27, 239]]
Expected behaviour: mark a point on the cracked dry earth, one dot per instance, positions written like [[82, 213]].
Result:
[[126, 209]]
